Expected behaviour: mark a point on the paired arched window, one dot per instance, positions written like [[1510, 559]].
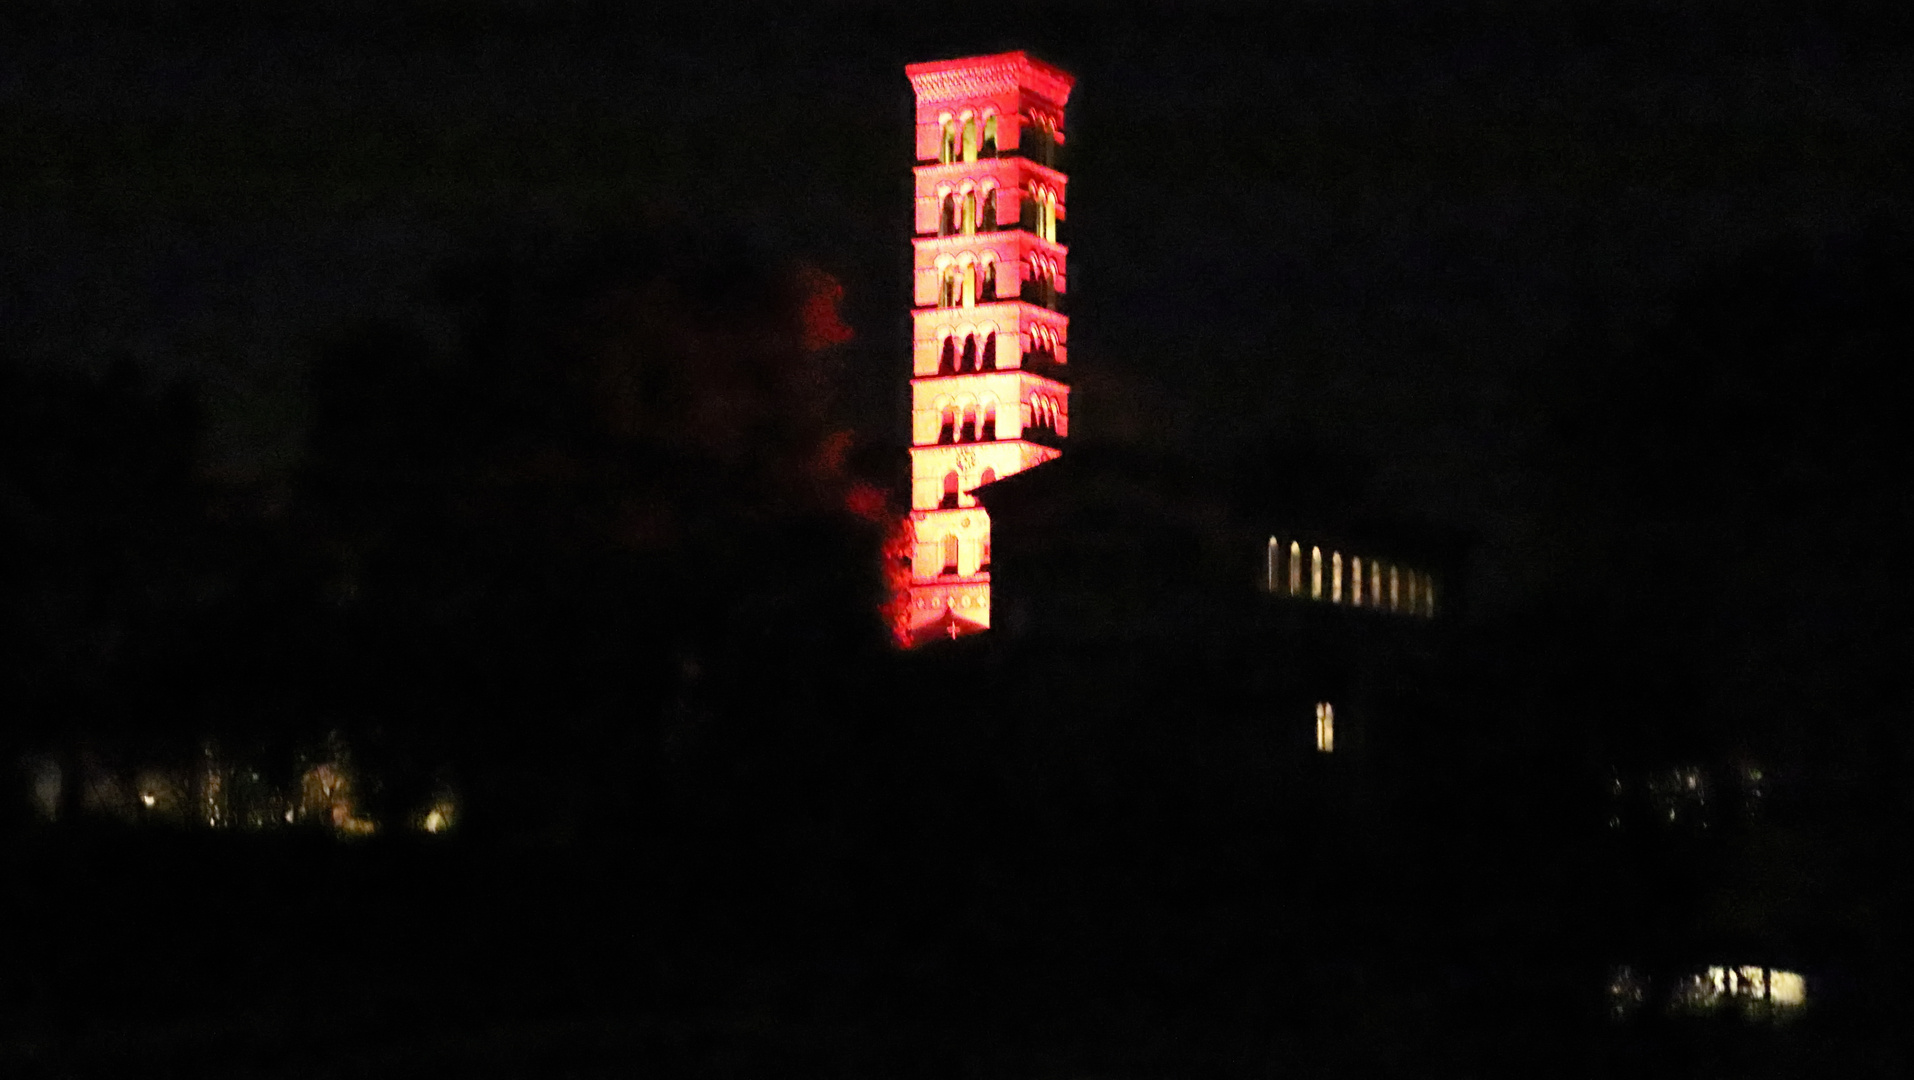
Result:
[[1040, 286], [1038, 139], [1045, 412], [1043, 346]]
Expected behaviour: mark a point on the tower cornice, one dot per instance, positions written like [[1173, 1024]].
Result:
[[1022, 238], [979, 76], [938, 170]]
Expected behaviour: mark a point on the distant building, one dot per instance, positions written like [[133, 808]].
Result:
[[1320, 627]]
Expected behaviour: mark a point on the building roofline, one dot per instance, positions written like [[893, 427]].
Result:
[[974, 76]]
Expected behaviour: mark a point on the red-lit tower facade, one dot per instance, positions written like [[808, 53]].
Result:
[[989, 341]]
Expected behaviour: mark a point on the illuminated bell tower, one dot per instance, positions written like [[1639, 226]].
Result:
[[989, 341]]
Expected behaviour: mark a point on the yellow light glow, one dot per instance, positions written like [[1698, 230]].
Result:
[[148, 798], [1325, 727], [1787, 988]]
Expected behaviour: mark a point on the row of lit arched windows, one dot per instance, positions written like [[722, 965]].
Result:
[[967, 137], [1372, 583], [1045, 412], [1043, 346], [953, 492], [950, 361], [966, 421], [967, 210]]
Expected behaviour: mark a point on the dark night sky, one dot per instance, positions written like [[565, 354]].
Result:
[[1397, 230]]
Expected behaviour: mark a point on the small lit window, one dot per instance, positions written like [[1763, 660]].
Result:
[[1335, 577], [1325, 727], [1269, 572], [1315, 573], [1295, 568], [1355, 581]]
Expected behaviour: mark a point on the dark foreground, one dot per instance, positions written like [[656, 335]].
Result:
[[158, 955]]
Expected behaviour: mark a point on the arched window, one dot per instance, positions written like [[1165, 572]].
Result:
[[989, 432], [990, 475], [989, 149], [1335, 577], [947, 215], [1325, 727], [970, 138], [947, 291], [1315, 573], [1047, 216], [1269, 568], [947, 425], [990, 339], [987, 220], [1355, 581], [1395, 589], [970, 284], [970, 353], [947, 360], [970, 212], [1295, 568], [1375, 584], [990, 280], [950, 554], [968, 432], [950, 495], [947, 150]]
